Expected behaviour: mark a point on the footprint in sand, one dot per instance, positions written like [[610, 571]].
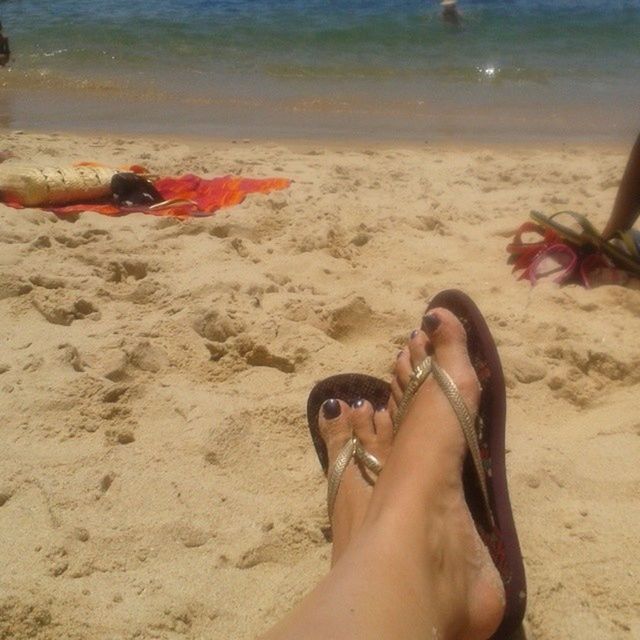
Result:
[[120, 271], [12, 286], [46, 282], [216, 326], [6, 493], [351, 320], [71, 356], [260, 356], [148, 357], [24, 619], [65, 313], [287, 544], [41, 242]]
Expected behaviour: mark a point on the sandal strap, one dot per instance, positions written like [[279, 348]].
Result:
[[420, 374], [335, 475], [468, 426], [465, 419], [367, 459], [351, 449]]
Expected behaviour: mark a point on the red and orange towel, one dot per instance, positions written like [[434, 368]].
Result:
[[188, 195]]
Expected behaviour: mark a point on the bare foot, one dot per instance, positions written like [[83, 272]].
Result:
[[338, 422], [430, 427], [452, 355]]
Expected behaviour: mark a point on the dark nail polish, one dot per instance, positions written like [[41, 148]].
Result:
[[430, 323], [383, 408], [331, 409], [399, 354], [358, 403], [414, 333]]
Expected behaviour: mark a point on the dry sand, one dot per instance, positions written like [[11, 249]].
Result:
[[156, 476]]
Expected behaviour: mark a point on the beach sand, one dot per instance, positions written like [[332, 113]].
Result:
[[157, 478]]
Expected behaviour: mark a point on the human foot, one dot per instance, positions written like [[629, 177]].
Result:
[[338, 423], [432, 428], [439, 327]]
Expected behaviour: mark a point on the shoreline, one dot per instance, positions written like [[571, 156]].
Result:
[[305, 144], [80, 111]]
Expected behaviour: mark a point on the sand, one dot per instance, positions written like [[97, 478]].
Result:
[[157, 478]]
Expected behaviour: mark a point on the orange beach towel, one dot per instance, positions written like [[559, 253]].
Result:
[[206, 196]]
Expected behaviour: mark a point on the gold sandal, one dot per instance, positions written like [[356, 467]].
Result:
[[352, 449]]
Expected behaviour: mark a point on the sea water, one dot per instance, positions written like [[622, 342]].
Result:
[[524, 69]]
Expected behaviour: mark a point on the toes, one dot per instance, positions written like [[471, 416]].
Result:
[[445, 331], [361, 419], [383, 426], [443, 328], [397, 391], [403, 368], [418, 348], [449, 340], [333, 421]]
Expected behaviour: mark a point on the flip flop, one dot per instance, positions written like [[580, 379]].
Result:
[[588, 235], [629, 241], [528, 241], [565, 232], [347, 387], [625, 256], [523, 242], [484, 474], [557, 262], [485, 481], [597, 270]]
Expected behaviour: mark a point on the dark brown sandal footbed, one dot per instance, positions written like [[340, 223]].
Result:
[[347, 387], [501, 538]]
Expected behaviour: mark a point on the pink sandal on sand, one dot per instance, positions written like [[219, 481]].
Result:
[[557, 262], [484, 474], [597, 270]]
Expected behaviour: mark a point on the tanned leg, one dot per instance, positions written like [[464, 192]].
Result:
[[627, 203]]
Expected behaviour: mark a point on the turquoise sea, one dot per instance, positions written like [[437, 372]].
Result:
[[386, 69]]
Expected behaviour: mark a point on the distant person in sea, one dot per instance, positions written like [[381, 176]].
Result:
[[5, 53], [450, 13]]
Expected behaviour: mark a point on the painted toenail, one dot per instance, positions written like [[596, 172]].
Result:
[[414, 333], [399, 354], [430, 323], [358, 403], [331, 409]]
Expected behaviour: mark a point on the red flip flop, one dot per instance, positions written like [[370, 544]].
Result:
[[530, 238]]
